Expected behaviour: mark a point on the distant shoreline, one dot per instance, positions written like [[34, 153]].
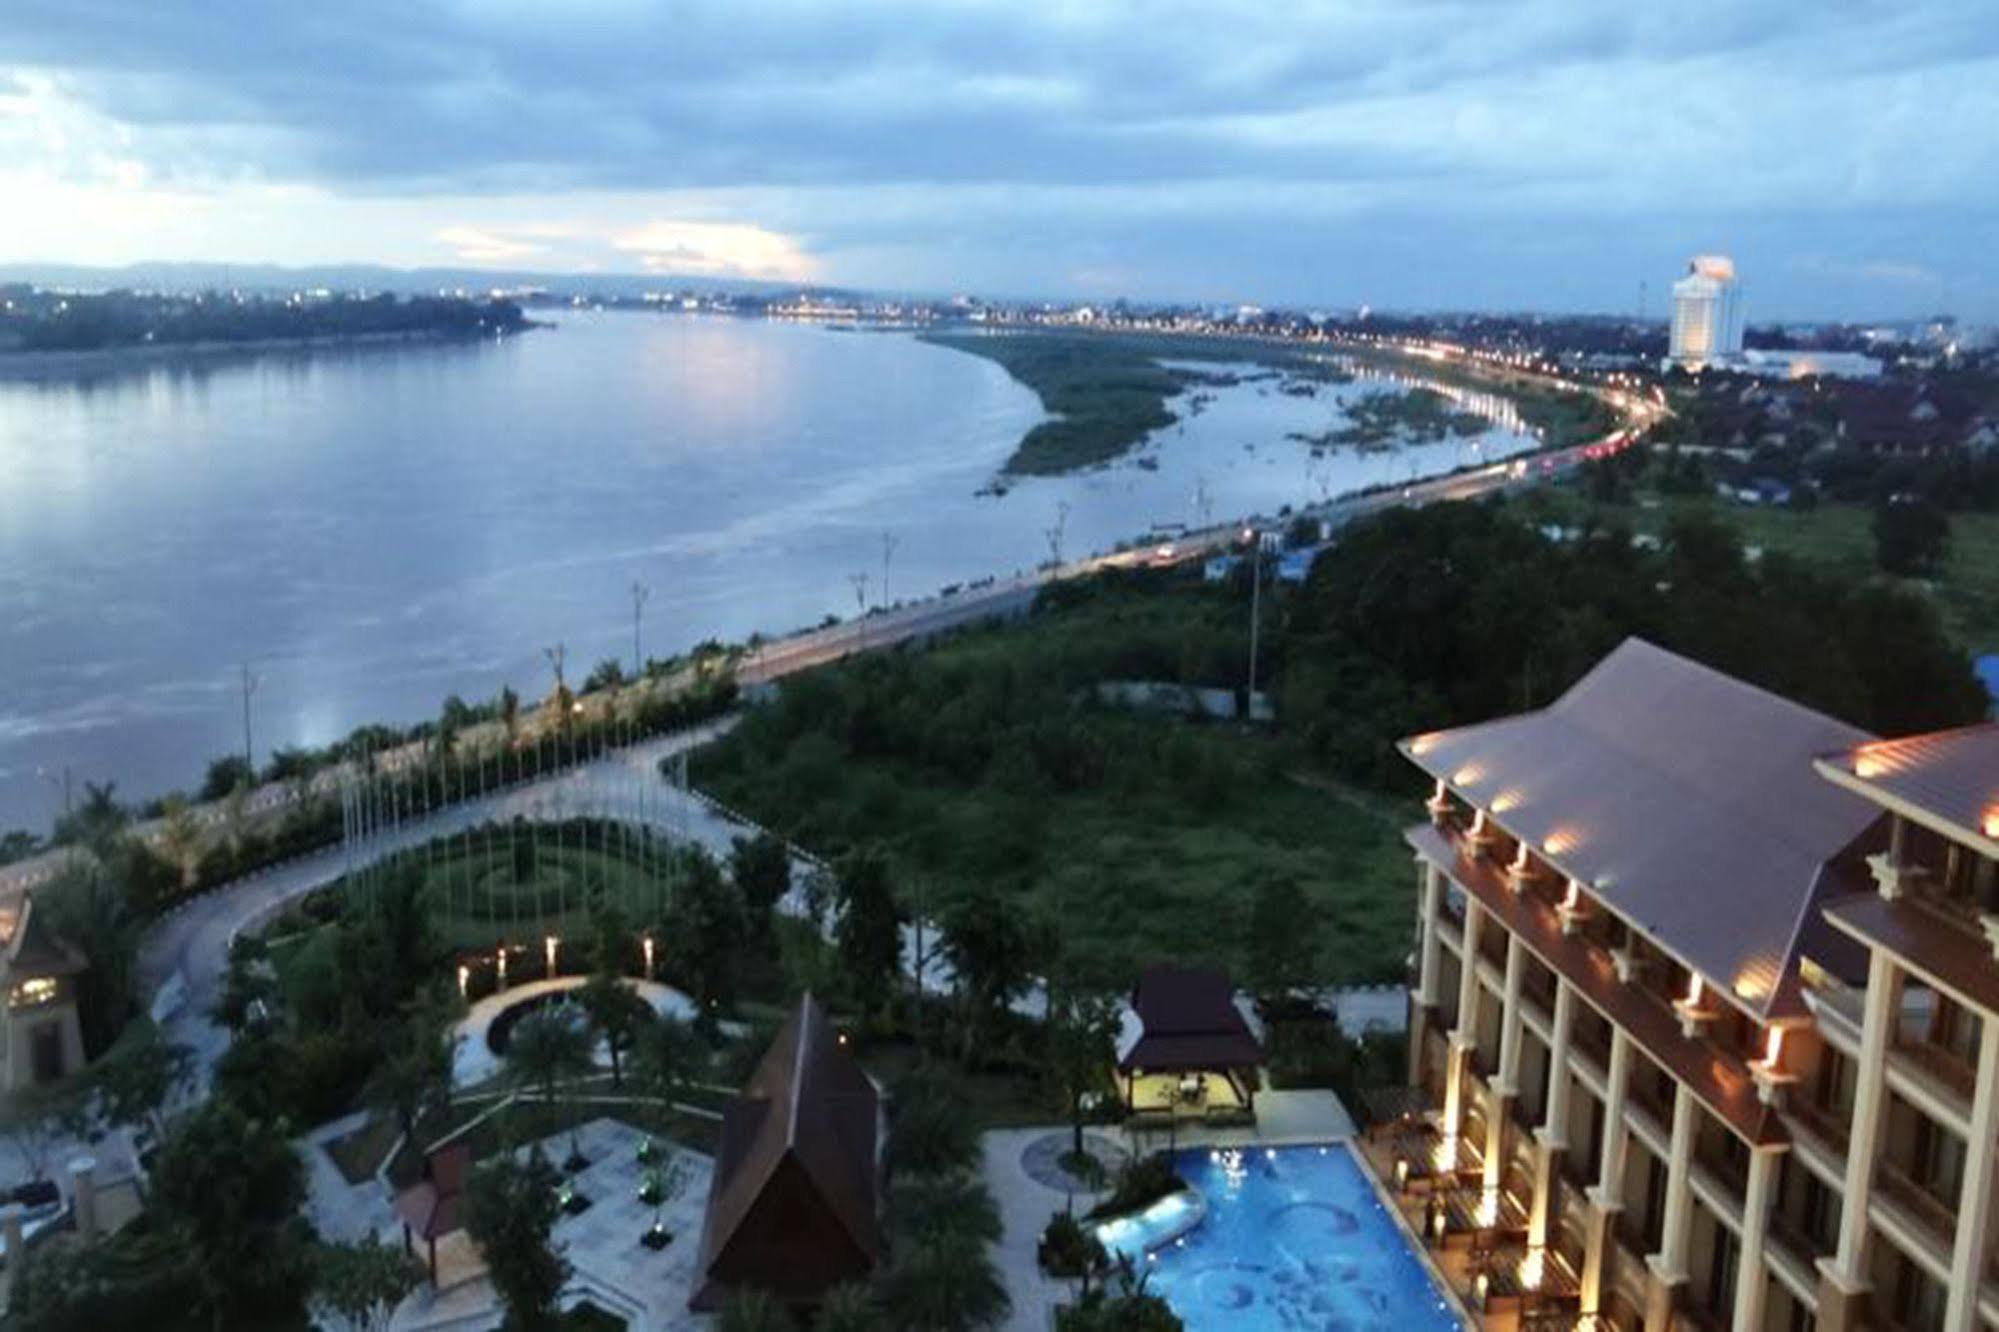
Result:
[[38, 366]]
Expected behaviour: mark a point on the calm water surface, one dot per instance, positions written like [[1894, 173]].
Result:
[[375, 529]]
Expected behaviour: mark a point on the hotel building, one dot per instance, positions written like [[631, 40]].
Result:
[[1705, 1011], [1707, 314]]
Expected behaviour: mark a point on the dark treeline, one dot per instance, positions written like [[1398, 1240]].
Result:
[[123, 319], [1457, 613]]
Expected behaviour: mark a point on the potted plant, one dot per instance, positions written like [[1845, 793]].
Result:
[[663, 1183]]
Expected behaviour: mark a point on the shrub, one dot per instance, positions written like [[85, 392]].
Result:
[[1068, 1250], [1143, 1181]]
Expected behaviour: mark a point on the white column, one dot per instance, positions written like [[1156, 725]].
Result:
[[1672, 1255], [1464, 1036], [1616, 1133], [1974, 1199], [1849, 1269], [1553, 1134], [1510, 1020], [1752, 1281], [1607, 1197], [1431, 895]]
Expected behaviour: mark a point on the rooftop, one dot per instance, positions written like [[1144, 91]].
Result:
[[1189, 1021], [1947, 781], [1683, 799], [793, 1207]]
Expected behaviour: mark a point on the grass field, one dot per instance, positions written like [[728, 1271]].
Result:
[[1838, 538], [1134, 838]]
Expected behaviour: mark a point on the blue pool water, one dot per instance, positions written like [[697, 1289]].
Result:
[[1295, 1238]]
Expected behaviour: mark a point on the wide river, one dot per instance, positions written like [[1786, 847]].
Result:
[[372, 530]]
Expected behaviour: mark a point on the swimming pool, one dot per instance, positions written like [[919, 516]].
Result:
[[1295, 1240]]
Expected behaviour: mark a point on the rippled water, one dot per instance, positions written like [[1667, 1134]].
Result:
[[375, 529], [1296, 1239]]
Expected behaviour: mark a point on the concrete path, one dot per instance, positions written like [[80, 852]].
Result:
[[472, 1057]]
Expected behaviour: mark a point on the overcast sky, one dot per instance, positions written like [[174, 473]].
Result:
[[1548, 155]]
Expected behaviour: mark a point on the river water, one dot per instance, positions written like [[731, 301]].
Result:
[[373, 529]]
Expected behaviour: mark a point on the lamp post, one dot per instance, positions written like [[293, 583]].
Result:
[[889, 542], [860, 582], [640, 592], [250, 683]]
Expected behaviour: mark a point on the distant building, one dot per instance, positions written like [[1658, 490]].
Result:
[[1707, 313], [38, 971], [1809, 364]]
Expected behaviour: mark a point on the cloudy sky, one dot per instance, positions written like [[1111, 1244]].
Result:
[[1548, 154]]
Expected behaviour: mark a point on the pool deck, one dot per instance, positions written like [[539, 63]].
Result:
[[1025, 1204]]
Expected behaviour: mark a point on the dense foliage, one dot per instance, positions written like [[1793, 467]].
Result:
[[121, 319], [1456, 613]]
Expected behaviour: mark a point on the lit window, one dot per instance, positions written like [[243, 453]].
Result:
[[40, 990]]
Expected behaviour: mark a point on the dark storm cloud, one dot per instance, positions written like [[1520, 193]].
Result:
[[1157, 130]]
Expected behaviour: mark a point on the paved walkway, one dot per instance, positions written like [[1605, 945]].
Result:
[[472, 1057], [612, 1268]]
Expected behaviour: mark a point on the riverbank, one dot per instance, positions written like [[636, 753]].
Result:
[[101, 362]]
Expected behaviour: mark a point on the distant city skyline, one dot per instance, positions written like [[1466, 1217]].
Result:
[[1548, 157]]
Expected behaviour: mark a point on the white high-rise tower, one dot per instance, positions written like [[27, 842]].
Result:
[[1707, 313]]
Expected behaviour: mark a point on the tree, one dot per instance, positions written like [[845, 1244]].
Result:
[[761, 867], [35, 1119], [97, 822], [754, 1310], [1082, 1035], [249, 987], [229, 1189], [140, 1076], [510, 714], [932, 1129], [616, 1013], [510, 1213], [413, 1075], [705, 929], [945, 1284], [849, 1307], [868, 935], [225, 775], [668, 1055], [991, 956], [1123, 1305], [548, 1047], [88, 907], [181, 839], [361, 1284], [1280, 943], [1911, 537]]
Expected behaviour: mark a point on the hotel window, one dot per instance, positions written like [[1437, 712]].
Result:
[[1653, 1227], [1939, 1160], [1917, 1302], [1721, 1271]]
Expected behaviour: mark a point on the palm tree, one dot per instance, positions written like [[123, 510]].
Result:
[[849, 1308], [548, 1047], [753, 1310], [946, 1284]]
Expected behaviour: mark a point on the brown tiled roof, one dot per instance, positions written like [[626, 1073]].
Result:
[[1948, 780], [1683, 799], [793, 1206], [1190, 1022]]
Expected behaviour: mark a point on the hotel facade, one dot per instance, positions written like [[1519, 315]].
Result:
[[1704, 1018]]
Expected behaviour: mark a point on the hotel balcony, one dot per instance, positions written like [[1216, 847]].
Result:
[[1936, 1080], [1923, 1222], [1720, 1079]]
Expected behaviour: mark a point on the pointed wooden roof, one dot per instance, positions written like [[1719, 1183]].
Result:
[[36, 950], [794, 1204]]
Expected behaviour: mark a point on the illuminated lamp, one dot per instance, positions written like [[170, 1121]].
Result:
[[548, 952], [1768, 1072], [464, 979], [501, 962], [645, 945]]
